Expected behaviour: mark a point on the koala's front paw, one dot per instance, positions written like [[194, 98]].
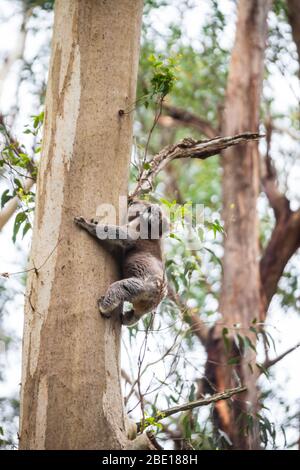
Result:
[[104, 309], [79, 220]]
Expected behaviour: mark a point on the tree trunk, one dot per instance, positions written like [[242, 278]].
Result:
[[240, 299], [71, 394], [293, 9]]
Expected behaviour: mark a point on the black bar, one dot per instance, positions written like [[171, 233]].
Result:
[[134, 459]]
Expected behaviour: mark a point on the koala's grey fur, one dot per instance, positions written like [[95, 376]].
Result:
[[143, 280]]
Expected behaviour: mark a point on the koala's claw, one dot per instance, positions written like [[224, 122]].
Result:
[[104, 312], [79, 220]]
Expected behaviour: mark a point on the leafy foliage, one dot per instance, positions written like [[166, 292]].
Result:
[[20, 166]]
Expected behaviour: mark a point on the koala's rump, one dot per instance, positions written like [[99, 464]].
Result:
[[156, 290]]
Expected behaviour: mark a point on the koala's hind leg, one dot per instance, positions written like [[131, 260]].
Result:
[[120, 291]]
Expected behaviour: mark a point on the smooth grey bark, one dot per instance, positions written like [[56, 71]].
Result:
[[71, 394]]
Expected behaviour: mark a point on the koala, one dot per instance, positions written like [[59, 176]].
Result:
[[137, 246]]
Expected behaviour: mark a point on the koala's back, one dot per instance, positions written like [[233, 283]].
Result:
[[144, 259]]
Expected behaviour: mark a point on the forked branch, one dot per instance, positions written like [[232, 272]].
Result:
[[272, 362], [186, 148], [285, 238]]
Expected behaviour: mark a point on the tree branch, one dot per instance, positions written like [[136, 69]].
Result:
[[186, 118], [186, 148], [285, 238], [193, 319], [272, 362], [278, 201], [294, 19], [284, 242], [12, 205], [141, 442], [196, 404]]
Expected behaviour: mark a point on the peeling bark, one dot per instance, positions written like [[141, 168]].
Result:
[[71, 393]]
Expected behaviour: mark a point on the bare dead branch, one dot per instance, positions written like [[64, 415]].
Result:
[[196, 404], [271, 362], [178, 116], [187, 148]]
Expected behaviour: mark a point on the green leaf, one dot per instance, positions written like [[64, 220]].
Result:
[[5, 198], [249, 343], [215, 257], [263, 369], [26, 228], [175, 237], [233, 360], [192, 393], [226, 339], [18, 183], [20, 218]]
